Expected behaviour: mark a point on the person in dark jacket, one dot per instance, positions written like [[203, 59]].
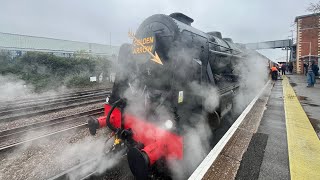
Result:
[[305, 67], [274, 73], [290, 68], [283, 69], [315, 69], [310, 75]]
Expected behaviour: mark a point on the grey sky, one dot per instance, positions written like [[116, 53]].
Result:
[[93, 20]]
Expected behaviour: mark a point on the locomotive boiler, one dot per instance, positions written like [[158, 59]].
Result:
[[159, 88]]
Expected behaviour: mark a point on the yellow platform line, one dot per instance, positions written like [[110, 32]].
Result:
[[303, 142]]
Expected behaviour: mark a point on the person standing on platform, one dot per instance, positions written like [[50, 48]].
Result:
[[305, 67], [315, 69], [310, 76], [274, 73], [283, 69], [279, 68], [290, 68]]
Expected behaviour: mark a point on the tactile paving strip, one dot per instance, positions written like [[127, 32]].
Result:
[[303, 142]]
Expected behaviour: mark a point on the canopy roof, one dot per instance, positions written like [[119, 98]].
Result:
[[32, 43]]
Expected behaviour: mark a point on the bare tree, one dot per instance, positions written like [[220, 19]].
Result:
[[314, 7]]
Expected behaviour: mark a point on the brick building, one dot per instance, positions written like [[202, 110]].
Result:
[[308, 40]]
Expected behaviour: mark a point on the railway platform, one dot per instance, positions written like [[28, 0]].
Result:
[[276, 137]]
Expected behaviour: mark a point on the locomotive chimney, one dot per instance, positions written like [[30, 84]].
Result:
[[182, 18], [216, 34], [228, 39]]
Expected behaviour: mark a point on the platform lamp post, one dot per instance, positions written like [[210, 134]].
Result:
[[291, 48]]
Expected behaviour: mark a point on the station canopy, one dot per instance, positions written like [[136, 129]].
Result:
[[32, 43]]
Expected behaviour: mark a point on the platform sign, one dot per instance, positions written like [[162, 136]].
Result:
[[180, 97], [148, 43], [145, 45], [101, 77], [93, 79]]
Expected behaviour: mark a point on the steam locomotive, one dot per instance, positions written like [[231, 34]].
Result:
[[159, 90]]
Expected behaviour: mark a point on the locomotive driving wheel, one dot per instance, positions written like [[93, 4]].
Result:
[[214, 119]]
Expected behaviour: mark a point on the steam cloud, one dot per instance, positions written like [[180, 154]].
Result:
[[87, 149], [11, 87], [253, 74]]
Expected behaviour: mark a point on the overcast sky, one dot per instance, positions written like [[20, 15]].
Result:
[[93, 20]]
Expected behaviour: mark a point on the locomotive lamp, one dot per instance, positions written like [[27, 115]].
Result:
[[168, 124]]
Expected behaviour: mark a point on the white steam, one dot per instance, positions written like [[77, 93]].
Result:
[[253, 75], [12, 87], [209, 93], [196, 147], [89, 149]]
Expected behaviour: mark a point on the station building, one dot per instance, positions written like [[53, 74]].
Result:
[[17, 45], [308, 40]]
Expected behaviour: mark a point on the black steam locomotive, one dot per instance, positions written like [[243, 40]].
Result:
[[162, 82]]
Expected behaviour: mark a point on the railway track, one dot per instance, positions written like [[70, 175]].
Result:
[[48, 107], [20, 105], [32, 100], [83, 170], [13, 138]]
